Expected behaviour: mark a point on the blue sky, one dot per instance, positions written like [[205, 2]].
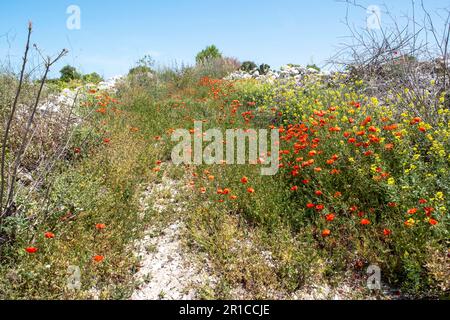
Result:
[[114, 34]]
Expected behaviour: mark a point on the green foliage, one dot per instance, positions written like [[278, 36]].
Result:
[[208, 54], [69, 73], [313, 66], [94, 78], [143, 67], [248, 66], [264, 69]]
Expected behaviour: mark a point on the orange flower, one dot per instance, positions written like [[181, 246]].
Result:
[[49, 235], [211, 178], [98, 258], [429, 211], [392, 204], [330, 217], [335, 172], [320, 207], [244, 180], [433, 222], [412, 211], [338, 194], [326, 233], [100, 226], [365, 222], [233, 197], [416, 120], [251, 190], [31, 250]]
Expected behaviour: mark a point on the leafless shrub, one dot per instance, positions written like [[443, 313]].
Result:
[[406, 60], [33, 138]]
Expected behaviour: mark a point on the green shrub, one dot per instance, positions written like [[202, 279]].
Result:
[[69, 73], [248, 66], [208, 54]]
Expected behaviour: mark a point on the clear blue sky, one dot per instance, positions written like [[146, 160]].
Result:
[[115, 33]]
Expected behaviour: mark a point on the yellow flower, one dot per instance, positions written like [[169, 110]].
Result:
[[440, 196], [391, 181], [410, 223]]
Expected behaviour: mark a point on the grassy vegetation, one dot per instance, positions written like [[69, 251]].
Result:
[[360, 184]]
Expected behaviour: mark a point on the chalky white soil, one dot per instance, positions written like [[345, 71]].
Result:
[[168, 270]]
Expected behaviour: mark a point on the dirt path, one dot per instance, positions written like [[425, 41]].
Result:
[[169, 271]]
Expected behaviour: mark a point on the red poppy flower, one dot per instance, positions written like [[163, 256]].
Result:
[[365, 222], [98, 258], [106, 140], [294, 188], [330, 217], [326, 233], [251, 190], [31, 250], [416, 120], [412, 211], [49, 235], [100, 226], [387, 232], [320, 207], [433, 222], [392, 204], [77, 150], [429, 211], [244, 180], [310, 205], [361, 133], [318, 193], [422, 201]]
